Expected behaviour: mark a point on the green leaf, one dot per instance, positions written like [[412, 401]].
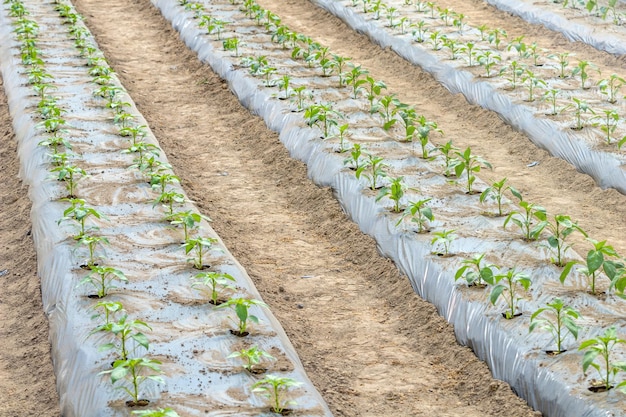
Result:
[[589, 357], [566, 270], [495, 293], [595, 259]]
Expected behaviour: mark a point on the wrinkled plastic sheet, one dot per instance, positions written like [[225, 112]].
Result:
[[190, 337], [577, 32], [605, 168], [553, 385]]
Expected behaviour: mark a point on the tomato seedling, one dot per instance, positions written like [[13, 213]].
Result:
[[563, 322], [273, 387]]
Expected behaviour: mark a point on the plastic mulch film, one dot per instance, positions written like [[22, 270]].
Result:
[[571, 30], [191, 338], [604, 168], [553, 385]]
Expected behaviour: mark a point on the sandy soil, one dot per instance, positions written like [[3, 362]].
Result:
[[368, 343], [27, 383]]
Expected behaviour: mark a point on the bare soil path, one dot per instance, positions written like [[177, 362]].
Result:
[[27, 383], [368, 343]]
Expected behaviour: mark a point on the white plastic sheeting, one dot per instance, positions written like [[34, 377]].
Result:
[[571, 30], [191, 338], [605, 168], [553, 385]]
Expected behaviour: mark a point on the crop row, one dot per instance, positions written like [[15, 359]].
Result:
[[580, 119], [361, 115], [128, 366]]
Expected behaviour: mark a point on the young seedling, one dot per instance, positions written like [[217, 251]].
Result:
[[128, 334], [532, 83], [134, 132], [168, 199], [610, 87], [563, 62], [453, 46], [488, 59], [373, 170], [283, 84], [580, 107], [300, 95], [160, 180], [514, 72], [436, 39], [212, 280], [353, 78], [92, 243], [273, 387], [242, 307], [55, 142], [419, 213], [581, 70], [343, 133], [374, 89], [525, 220], [519, 45], [323, 117], [448, 150], [394, 191], [199, 246], [608, 123], [483, 30], [339, 63], [495, 37], [110, 310], [355, 159], [506, 285], [597, 261], [496, 192], [79, 212], [604, 346], [143, 150], [474, 271], [424, 127], [102, 279], [188, 219], [550, 96], [388, 107], [560, 228], [442, 239], [563, 322], [231, 44], [470, 53], [135, 371], [419, 33], [252, 357], [469, 164]]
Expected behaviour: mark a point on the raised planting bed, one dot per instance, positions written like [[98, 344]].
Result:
[[539, 92], [259, 57], [126, 261], [597, 23]]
